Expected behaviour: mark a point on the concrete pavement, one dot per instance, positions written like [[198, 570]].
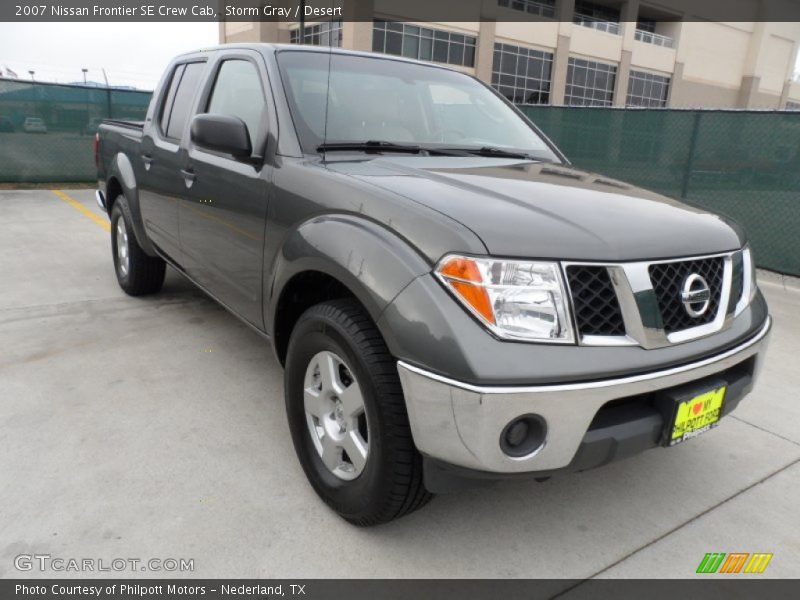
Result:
[[155, 428]]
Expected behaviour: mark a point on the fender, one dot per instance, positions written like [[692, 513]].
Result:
[[121, 170], [371, 261]]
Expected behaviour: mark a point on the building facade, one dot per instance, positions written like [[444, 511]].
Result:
[[579, 52]]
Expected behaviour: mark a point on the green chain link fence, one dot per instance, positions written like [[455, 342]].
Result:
[[742, 164], [47, 130]]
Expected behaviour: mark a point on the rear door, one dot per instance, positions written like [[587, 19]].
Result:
[[162, 158], [224, 213]]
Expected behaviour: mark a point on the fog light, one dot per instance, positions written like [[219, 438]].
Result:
[[523, 436]]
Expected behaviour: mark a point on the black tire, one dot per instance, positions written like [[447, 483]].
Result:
[[144, 274], [390, 484]]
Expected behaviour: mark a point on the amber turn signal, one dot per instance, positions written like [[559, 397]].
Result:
[[457, 272]]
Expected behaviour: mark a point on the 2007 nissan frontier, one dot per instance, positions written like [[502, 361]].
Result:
[[451, 300]]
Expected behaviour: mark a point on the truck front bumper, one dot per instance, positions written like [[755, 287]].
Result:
[[459, 425]]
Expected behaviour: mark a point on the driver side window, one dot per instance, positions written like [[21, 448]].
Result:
[[237, 93]]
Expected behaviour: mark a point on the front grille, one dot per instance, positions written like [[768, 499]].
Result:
[[668, 279], [597, 310]]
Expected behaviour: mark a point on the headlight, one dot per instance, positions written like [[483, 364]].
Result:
[[516, 300], [749, 285]]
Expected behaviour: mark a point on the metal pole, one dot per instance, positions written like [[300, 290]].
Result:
[[687, 174], [108, 94], [88, 108], [302, 21]]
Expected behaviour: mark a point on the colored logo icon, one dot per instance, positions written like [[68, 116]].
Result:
[[734, 562]]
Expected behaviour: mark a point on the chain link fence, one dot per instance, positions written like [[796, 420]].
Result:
[[47, 130], [741, 164]]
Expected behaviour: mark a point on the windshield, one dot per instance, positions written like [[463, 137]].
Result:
[[372, 99]]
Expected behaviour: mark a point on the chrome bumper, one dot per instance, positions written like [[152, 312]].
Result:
[[461, 424], [100, 198]]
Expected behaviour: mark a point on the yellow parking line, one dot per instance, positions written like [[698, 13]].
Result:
[[81, 208]]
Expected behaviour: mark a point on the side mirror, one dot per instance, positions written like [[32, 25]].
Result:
[[221, 133]]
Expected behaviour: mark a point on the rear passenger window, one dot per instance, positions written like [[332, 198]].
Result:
[[237, 93], [181, 104], [166, 107]]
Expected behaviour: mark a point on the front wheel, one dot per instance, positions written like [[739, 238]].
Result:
[[348, 417], [137, 273]]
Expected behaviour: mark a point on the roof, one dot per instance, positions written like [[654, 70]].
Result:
[[265, 47]]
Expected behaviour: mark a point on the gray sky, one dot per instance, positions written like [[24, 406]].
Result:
[[131, 53]]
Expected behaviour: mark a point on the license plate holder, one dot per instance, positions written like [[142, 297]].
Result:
[[691, 410]]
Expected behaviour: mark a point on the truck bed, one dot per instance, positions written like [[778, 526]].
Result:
[[118, 136], [124, 123]]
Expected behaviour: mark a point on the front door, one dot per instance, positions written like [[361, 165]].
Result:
[[223, 215]]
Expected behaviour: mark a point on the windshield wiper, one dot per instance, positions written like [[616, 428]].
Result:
[[369, 146], [430, 149], [495, 152]]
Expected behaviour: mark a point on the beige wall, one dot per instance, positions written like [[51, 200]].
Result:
[[653, 58], [237, 27], [793, 91], [596, 44], [778, 51], [713, 53], [543, 34], [686, 93], [244, 32]]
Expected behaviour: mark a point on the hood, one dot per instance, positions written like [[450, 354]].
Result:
[[541, 210]]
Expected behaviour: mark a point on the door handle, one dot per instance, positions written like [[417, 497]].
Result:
[[188, 177], [148, 161]]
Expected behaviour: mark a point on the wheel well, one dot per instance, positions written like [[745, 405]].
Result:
[[113, 189], [303, 291]]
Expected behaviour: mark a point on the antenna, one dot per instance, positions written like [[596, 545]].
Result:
[[328, 91]]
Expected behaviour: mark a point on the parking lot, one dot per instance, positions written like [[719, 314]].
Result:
[[155, 427]]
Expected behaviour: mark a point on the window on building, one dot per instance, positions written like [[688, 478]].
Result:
[[237, 93], [646, 32], [543, 8], [648, 25], [589, 83], [598, 11], [522, 75], [423, 43], [597, 16], [326, 33], [790, 105], [647, 89]]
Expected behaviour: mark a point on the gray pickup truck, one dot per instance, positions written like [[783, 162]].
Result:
[[451, 300]]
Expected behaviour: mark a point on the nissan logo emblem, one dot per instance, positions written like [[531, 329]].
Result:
[[695, 295]]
